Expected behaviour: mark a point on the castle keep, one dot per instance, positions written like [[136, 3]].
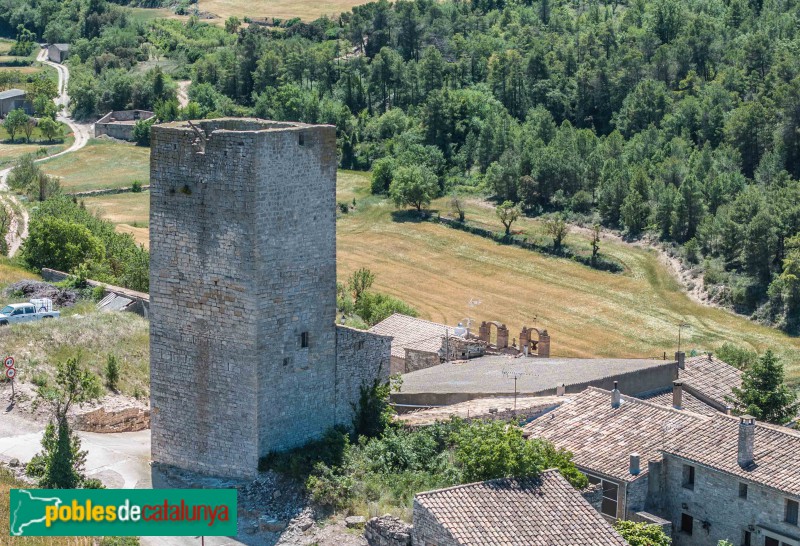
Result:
[[245, 356]]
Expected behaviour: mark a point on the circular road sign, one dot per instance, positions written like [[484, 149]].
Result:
[[9, 362], [11, 372]]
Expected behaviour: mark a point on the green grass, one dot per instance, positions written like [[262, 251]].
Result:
[[89, 335], [101, 164], [9, 152]]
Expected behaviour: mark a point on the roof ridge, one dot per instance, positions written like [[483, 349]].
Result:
[[416, 319], [494, 480], [655, 405]]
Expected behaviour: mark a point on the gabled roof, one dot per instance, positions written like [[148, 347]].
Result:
[[12, 94], [412, 333], [602, 437], [508, 512], [711, 377], [714, 443], [61, 47]]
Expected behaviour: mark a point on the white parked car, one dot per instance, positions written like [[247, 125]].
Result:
[[37, 309]]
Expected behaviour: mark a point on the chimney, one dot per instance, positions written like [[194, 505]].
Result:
[[616, 399], [710, 356], [747, 433], [635, 468], [677, 394], [561, 390], [680, 356], [728, 409]]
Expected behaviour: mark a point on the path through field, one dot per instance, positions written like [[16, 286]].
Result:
[[183, 92], [18, 231]]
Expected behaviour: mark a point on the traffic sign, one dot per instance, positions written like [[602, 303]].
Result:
[[11, 372], [9, 362]]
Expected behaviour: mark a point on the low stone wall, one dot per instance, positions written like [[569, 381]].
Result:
[[120, 124], [141, 300], [124, 420], [387, 531], [419, 360], [109, 191]]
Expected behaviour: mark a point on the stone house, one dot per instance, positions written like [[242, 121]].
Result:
[[706, 476], [732, 479], [613, 438], [418, 344], [14, 99], [119, 124], [58, 53], [510, 512]]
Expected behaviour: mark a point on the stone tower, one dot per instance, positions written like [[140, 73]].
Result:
[[243, 342]]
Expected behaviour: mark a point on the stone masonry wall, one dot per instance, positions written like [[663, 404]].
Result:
[[361, 358], [387, 531], [427, 529], [419, 360], [243, 274], [715, 500]]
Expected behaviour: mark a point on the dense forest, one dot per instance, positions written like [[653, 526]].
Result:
[[672, 119]]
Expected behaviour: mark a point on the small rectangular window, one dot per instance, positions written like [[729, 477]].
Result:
[[769, 541], [742, 490], [304, 340], [301, 139], [688, 476], [791, 511], [687, 523], [748, 539]]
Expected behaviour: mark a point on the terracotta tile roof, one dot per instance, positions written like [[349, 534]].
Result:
[[711, 377], [602, 438], [714, 443], [413, 333], [690, 403], [543, 512]]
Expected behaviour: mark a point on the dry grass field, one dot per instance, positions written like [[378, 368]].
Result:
[[101, 164], [129, 211], [449, 276], [307, 10]]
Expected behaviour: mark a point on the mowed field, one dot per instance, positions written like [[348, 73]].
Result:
[[129, 211], [307, 10], [451, 276], [101, 164]]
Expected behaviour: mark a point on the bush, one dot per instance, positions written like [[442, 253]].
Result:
[[112, 373], [136, 187], [373, 307], [58, 244], [382, 170], [141, 131], [642, 534]]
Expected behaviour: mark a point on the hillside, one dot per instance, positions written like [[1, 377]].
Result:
[[449, 275]]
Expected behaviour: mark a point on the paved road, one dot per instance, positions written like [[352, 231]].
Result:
[[18, 231]]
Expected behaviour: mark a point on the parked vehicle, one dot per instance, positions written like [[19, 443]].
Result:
[[36, 309]]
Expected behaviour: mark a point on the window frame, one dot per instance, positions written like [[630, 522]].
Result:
[[615, 500], [744, 490], [304, 340], [796, 512], [684, 517], [689, 477]]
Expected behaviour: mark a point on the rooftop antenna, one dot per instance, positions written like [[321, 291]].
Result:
[[516, 375]]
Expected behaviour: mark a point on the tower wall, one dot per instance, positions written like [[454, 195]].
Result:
[[243, 275]]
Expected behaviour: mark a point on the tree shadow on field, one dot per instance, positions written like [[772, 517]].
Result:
[[412, 216]]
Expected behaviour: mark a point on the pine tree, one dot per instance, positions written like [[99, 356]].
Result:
[[764, 395]]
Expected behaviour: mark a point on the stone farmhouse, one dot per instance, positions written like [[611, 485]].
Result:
[[119, 124], [58, 53], [14, 99], [547, 510], [245, 355], [704, 477]]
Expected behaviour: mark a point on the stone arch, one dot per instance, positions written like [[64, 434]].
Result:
[[540, 346], [485, 333]]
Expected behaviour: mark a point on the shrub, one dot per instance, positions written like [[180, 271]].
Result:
[[373, 307], [112, 372], [136, 187], [641, 534], [382, 170]]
